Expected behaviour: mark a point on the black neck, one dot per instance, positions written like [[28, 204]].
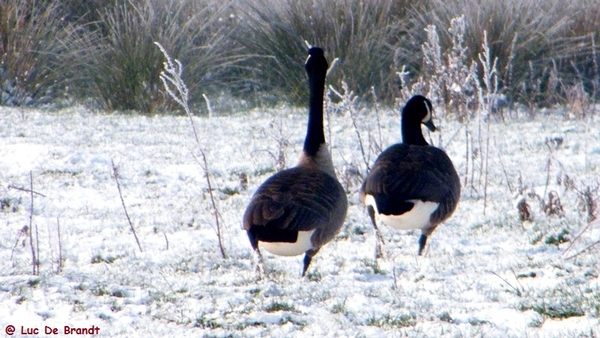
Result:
[[315, 136], [412, 133]]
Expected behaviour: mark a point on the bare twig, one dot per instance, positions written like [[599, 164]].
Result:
[[517, 290], [25, 190], [166, 241], [466, 157], [584, 250], [596, 73], [23, 232], [332, 66], [276, 133], [51, 252], [590, 203], [216, 212], [348, 101], [487, 166], [475, 152], [548, 167], [171, 76], [208, 106], [116, 176], [378, 145], [34, 258], [37, 249], [60, 257], [329, 110], [589, 225], [452, 137], [510, 187]]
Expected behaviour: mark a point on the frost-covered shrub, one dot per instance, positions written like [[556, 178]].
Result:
[[366, 35], [448, 77], [116, 63], [29, 33], [531, 40]]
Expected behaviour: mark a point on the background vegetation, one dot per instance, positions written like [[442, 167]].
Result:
[[102, 52]]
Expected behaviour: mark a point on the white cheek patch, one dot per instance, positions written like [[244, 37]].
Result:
[[302, 245], [417, 218], [428, 116]]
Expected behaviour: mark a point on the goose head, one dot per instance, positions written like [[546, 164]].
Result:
[[316, 64], [418, 110]]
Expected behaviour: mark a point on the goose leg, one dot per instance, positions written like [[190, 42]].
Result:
[[307, 259], [260, 265], [422, 242], [423, 239], [380, 245]]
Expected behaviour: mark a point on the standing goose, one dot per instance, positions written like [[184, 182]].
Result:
[[412, 185], [300, 209]]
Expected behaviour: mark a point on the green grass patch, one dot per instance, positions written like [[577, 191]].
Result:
[[276, 306], [392, 321]]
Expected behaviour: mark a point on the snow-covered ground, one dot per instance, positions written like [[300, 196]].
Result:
[[485, 273]]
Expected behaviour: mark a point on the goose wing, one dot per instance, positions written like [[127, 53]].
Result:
[[296, 199], [407, 172]]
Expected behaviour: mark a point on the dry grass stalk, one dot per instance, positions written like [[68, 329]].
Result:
[[116, 176], [60, 256]]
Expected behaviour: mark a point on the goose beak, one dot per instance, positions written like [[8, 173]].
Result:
[[429, 124]]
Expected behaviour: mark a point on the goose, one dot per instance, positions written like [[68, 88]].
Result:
[[300, 209], [412, 185]]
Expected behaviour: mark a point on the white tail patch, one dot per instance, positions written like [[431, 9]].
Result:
[[417, 218], [290, 249]]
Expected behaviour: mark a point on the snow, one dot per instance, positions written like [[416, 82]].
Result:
[[482, 273]]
